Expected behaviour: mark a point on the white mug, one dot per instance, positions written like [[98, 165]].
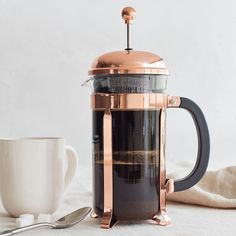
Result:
[[33, 174]]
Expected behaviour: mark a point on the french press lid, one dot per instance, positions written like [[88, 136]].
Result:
[[128, 61]]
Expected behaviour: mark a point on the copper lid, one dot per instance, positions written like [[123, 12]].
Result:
[[128, 61], [133, 62]]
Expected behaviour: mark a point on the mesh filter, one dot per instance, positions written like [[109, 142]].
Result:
[[130, 83]]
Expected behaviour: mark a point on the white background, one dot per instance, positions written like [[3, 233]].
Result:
[[47, 47]]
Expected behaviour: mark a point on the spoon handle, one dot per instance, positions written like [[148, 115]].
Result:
[[28, 227]]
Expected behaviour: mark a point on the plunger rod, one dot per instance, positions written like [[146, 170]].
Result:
[[128, 14], [128, 37]]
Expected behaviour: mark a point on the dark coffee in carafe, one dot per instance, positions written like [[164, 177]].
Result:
[[135, 163]]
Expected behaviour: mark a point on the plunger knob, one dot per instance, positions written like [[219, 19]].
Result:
[[128, 14]]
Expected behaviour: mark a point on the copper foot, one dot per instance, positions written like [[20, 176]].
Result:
[[162, 218], [93, 215], [107, 221]]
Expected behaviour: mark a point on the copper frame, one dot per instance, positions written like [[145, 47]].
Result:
[[133, 101], [107, 220], [166, 185], [114, 102]]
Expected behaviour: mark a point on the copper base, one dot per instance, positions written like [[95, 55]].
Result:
[[93, 215], [161, 218], [107, 221]]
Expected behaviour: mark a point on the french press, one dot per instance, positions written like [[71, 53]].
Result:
[[129, 111]]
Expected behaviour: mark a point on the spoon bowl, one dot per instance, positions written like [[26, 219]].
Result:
[[65, 222]]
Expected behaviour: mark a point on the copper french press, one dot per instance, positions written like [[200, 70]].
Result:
[[129, 111]]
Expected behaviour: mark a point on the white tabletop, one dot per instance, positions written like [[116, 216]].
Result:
[[186, 219]]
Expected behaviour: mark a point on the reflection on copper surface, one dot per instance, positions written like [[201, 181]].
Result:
[[133, 101], [108, 176], [128, 101], [128, 14], [170, 186], [173, 101], [93, 215], [132, 62], [162, 217]]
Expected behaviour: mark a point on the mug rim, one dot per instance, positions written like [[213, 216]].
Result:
[[31, 138]]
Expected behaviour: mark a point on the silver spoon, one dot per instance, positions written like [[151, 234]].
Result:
[[65, 222]]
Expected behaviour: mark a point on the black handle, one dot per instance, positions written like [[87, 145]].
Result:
[[203, 146]]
